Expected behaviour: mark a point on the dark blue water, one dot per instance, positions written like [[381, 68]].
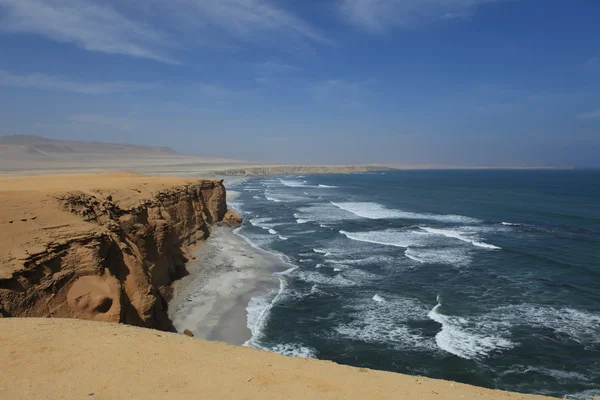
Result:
[[485, 277]]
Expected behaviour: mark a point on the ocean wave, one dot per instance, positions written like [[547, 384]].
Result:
[[385, 322], [390, 237], [380, 259], [280, 197], [557, 374], [323, 280], [293, 350], [510, 224], [290, 183], [581, 326], [264, 222], [378, 298], [584, 395], [461, 339], [475, 337], [327, 186], [377, 211], [300, 220], [259, 309], [324, 213], [456, 256], [455, 234]]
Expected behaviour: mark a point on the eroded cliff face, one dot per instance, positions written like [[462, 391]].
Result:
[[115, 264]]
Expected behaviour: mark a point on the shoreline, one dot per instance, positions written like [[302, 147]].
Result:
[[227, 272]]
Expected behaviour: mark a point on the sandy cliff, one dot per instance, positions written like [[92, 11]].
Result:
[[101, 247]]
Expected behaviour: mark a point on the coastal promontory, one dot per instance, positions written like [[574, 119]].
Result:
[[102, 247]]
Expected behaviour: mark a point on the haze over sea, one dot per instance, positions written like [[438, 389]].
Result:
[[486, 277]]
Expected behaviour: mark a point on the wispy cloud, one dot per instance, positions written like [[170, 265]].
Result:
[[48, 82], [155, 29], [249, 19], [589, 115], [94, 26], [275, 67], [343, 93], [379, 15]]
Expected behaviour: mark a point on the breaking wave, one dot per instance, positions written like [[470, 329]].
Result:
[[378, 211]]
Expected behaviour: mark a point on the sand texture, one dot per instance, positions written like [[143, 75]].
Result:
[[74, 359], [104, 247], [226, 273]]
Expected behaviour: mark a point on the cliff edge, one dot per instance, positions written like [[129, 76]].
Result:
[[71, 359], [101, 247]]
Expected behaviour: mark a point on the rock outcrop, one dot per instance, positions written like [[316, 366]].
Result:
[[101, 247]]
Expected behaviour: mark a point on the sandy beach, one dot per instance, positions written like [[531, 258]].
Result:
[[211, 301]]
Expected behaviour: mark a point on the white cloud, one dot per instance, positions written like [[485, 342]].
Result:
[[245, 19], [589, 115], [341, 93], [154, 29], [94, 26], [41, 81], [379, 15], [275, 67]]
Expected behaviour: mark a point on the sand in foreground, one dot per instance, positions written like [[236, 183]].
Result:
[[75, 359]]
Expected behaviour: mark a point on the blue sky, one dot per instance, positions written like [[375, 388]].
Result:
[[495, 82]]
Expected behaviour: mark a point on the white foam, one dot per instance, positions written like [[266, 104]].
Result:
[[294, 350], [510, 224], [272, 231], [324, 213], [273, 199], [378, 298], [458, 338], [283, 237], [256, 197], [265, 223], [584, 395], [455, 256], [337, 269], [386, 323], [324, 280], [327, 186], [581, 326], [293, 183], [377, 211], [259, 309], [390, 237], [558, 374], [454, 234]]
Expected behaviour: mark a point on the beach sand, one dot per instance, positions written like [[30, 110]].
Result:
[[211, 301]]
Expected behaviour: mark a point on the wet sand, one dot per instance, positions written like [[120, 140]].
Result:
[[211, 301]]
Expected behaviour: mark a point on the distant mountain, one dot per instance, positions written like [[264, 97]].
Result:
[[33, 146]]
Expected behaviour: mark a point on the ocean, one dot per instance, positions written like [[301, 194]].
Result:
[[490, 278]]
